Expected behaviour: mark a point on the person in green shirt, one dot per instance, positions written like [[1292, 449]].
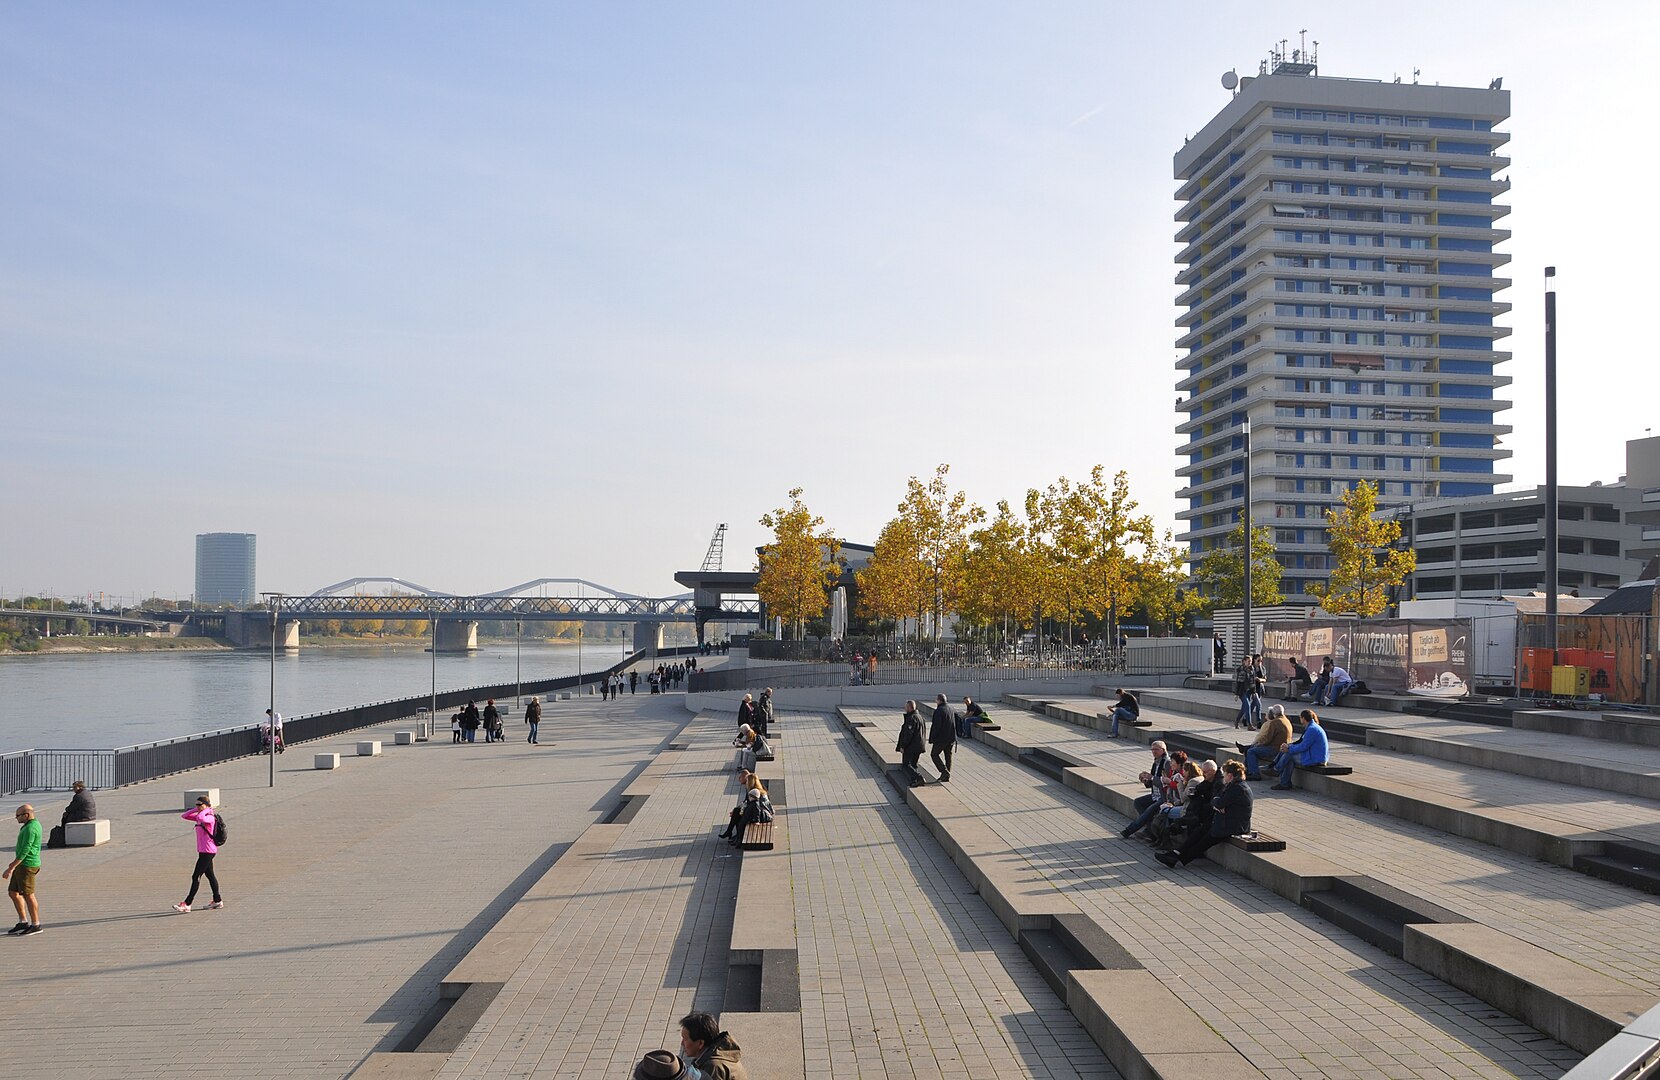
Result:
[[22, 873]]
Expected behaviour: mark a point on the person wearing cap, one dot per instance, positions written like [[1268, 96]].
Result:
[[204, 819], [1311, 749], [20, 873], [1274, 733], [662, 1065], [710, 1051]]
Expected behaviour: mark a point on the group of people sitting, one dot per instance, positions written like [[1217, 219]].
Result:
[[1190, 806], [1274, 740], [753, 806]]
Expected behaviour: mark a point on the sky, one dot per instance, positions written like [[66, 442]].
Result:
[[471, 295]]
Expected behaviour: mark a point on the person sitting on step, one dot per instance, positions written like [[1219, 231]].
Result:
[[1274, 734], [1311, 749]]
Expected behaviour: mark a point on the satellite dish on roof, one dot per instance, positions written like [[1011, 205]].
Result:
[[1230, 79]]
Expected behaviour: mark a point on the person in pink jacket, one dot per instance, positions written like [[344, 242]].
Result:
[[206, 849]]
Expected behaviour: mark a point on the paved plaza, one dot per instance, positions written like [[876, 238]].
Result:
[[352, 894]]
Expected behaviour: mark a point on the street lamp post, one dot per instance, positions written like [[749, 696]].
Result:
[[432, 713], [1249, 552], [272, 602], [518, 679], [1550, 459]]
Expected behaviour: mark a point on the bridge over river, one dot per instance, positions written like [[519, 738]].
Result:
[[456, 616]]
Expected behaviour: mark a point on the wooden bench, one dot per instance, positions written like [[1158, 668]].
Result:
[[1257, 841], [757, 836]]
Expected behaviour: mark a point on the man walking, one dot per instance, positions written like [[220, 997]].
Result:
[[21, 873], [533, 717], [942, 736]]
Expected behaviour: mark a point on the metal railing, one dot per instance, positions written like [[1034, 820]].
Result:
[[802, 676]]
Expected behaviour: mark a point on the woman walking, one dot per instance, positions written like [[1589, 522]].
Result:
[[206, 822]]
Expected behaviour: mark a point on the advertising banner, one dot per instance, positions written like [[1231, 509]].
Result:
[[1427, 657]]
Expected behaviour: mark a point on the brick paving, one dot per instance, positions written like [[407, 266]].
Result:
[[349, 894], [1296, 996], [352, 893], [1607, 926], [905, 972]]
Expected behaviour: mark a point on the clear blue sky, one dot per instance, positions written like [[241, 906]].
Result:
[[471, 296]]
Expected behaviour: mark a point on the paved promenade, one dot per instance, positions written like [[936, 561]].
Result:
[[348, 894], [1294, 995], [352, 894], [904, 972]]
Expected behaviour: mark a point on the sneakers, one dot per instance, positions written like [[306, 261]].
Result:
[[35, 929], [216, 905], [19, 928], [182, 908]]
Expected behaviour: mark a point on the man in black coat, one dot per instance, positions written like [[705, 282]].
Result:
[[1230, 816], [942, 736], [909, 746]]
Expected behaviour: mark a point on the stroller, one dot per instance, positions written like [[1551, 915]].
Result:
[[265, 739]]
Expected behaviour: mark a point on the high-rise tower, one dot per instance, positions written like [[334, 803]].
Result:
[[1338, 280], [225, 569]]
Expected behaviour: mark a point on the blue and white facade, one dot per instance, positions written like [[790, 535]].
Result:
[[1338, 282]]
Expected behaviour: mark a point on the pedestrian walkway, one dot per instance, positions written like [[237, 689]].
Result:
[[349, 894], [1294, 995], [905, 972]]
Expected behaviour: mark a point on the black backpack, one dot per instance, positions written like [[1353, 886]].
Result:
[[219, 835]]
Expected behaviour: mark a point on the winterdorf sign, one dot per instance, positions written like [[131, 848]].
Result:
[[1428, 657]]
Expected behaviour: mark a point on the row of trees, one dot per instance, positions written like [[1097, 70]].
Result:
[[1077, 553]]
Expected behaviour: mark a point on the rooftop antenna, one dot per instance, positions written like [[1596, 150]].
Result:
[[716, 555], [1230, 79], [1415, 74]]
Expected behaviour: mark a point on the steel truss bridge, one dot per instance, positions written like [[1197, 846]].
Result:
[[587, 603]]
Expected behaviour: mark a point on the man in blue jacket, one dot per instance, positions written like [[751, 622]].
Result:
[[1311, 749]]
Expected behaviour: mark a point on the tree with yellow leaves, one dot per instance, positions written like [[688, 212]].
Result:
[[1000, 573], [892, 584], [1365, 562], [800, 566]]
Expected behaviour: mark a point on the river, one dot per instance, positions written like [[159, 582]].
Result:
[[96, 701]]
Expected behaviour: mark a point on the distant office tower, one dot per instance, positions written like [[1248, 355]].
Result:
[[225, 569], [1338, 276]]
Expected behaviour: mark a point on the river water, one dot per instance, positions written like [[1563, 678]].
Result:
[[96, 701]]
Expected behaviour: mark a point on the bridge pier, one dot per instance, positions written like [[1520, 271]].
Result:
[[457, 636], [252, 630], [648, 635]]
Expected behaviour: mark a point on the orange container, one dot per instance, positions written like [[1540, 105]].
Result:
[[1600, 664], [1535, 670]]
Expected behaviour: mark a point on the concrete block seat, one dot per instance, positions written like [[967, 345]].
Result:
[[403, 738], [326, 761], [192, 794], [87, 833], [369, 748]]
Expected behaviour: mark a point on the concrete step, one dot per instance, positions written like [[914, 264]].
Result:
[[1636, 866]]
